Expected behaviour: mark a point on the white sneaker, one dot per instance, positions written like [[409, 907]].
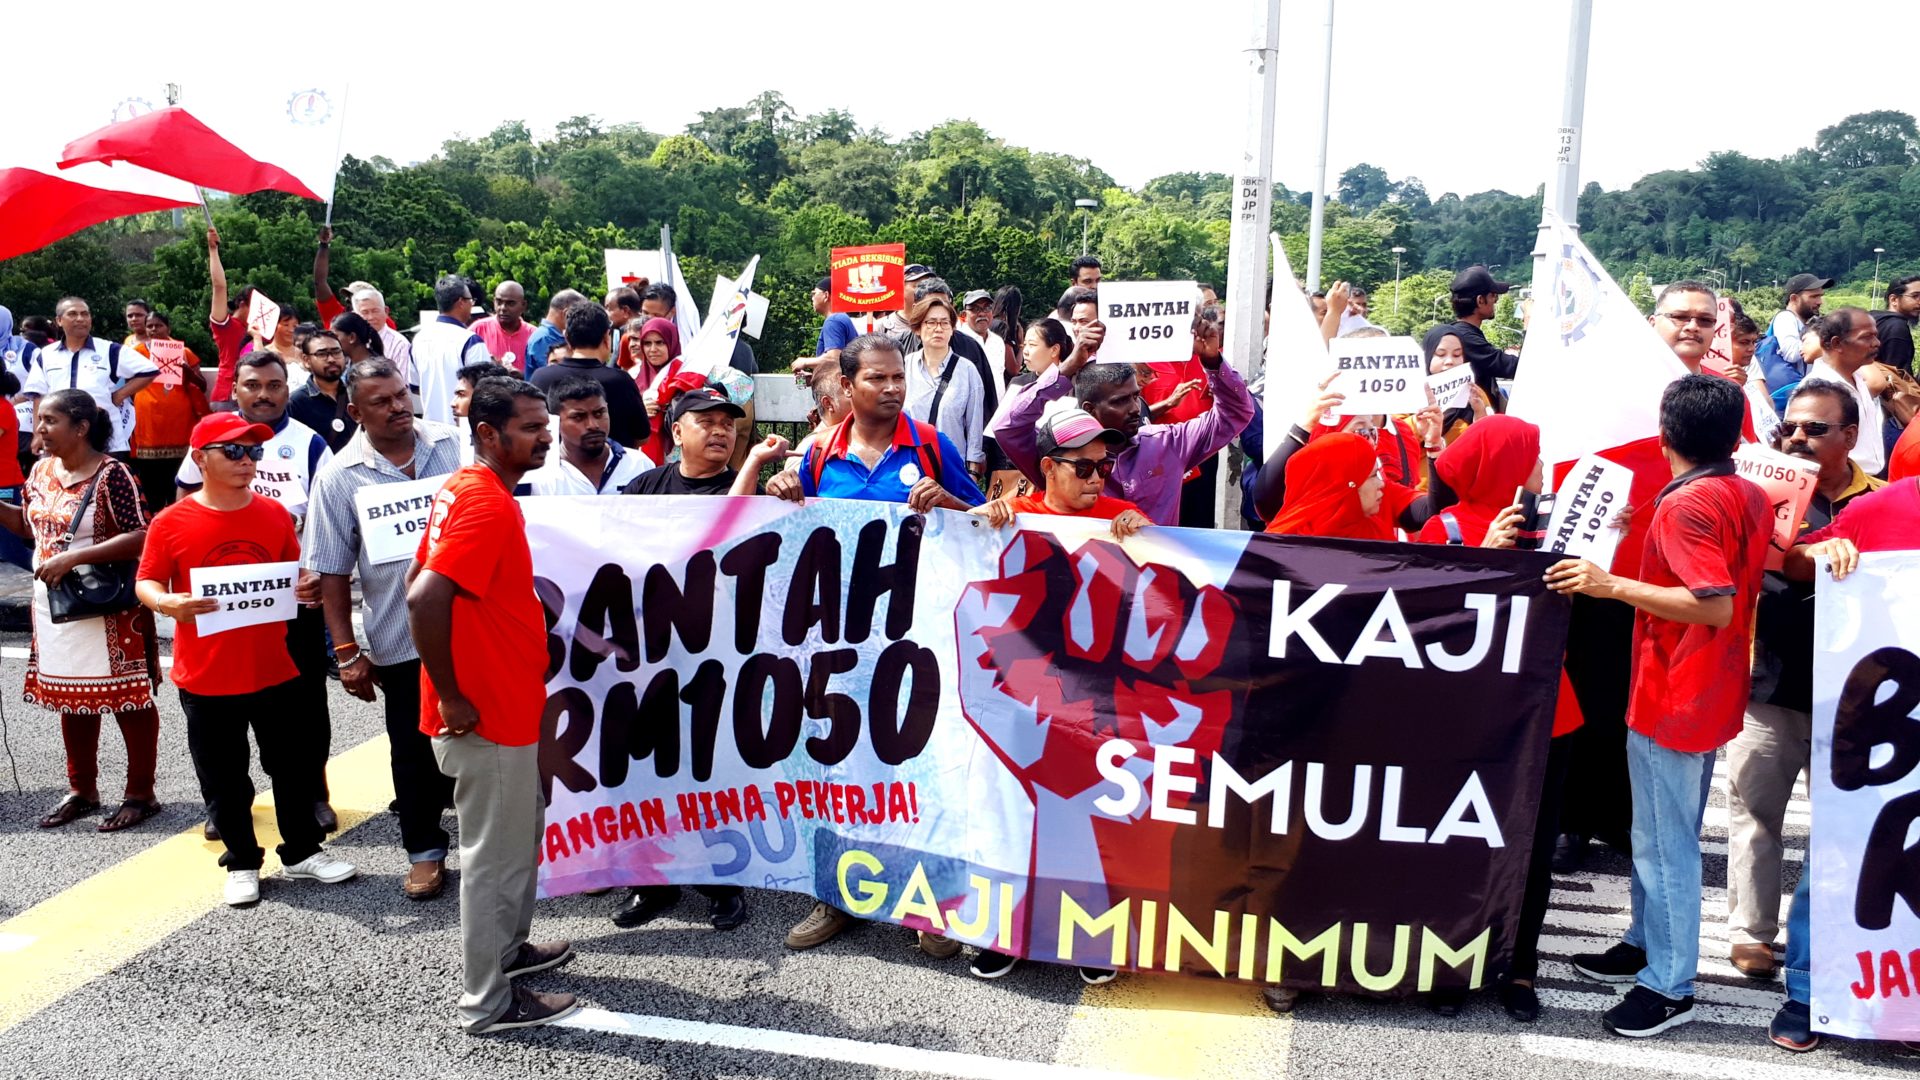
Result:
[[243, 887], [322, 866]]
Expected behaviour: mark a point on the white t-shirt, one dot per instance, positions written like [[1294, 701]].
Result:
[[295, 455], [996, 348], [559, 477], [1870, 451], [93, 369], [440, 349]]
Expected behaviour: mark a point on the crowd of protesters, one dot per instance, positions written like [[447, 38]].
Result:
[[961, 403]]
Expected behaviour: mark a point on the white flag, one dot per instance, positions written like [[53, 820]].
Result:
[[1296, 355], [685, 314], [1592, 369], [713, 348]]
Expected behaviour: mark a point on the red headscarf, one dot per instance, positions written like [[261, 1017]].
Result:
[[669, 332], [1323, 491], [1494, 456]]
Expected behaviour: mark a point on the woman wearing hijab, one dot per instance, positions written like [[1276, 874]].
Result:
[[657, 370], [1492, 460], [1402, 506], [655, 355], [1446, 351], [1335, 489]]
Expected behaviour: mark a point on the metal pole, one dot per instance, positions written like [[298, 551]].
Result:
[[1316, 232], [1397, 252], [1083, 232], [1563, 190], [1873, 291], [1247, 241]]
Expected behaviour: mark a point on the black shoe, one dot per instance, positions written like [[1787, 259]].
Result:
[[1792, 1028], [727, 912], [645, 904], [1447, 1002], [1620, 964], [530, 1008], [1569, 853], [210, 831], [324, 817], [991, 965], [393, 807], [1520, 1001], [1644, 1012]]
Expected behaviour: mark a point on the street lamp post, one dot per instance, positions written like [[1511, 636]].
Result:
[[1397, 252], [1874, 292], [1087, 207]]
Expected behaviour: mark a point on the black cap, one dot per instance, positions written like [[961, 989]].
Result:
[[915, 272], [826, 285], [1478, 281], [1803, 282], [700, 400]]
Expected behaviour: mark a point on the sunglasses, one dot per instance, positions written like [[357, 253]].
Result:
[[1813, 428], [1085, 469], [238, 451]]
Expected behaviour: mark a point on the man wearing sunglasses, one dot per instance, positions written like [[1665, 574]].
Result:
[[1076, 459], [241, 677], [1822, 424]]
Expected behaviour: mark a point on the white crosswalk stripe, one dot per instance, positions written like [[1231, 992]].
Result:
[[1591, 909]]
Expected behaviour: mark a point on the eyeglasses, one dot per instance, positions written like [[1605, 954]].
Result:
[[936, 324], [324, 353], [1085, 469], [1682, 318], [1813, 428], [238, 451]]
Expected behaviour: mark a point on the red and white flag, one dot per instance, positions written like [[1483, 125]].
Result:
[[41, 203], [260, 139]]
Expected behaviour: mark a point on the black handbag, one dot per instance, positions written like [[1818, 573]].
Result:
[[90, 590]]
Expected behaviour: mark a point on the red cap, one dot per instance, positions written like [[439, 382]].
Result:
[[227, 427]]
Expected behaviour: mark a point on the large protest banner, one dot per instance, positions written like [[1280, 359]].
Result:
[[1865, 783], [1201, 751]]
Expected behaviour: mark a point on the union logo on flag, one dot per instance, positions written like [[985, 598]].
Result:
[[1575, 289], [309, 108], [128, 108]]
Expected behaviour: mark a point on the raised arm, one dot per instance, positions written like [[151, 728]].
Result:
[[217, 274], [322, 263]]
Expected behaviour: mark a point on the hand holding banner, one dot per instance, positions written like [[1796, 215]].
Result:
[[1148, 322], [170, 356]]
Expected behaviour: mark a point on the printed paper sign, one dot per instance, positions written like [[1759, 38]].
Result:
[[1378, 375], [1452, 387], [392, 517], [1148, 322], [170, 357], [1789, 483], [1865, 783], [249, 594], [630, 267], [871, 278], [1583, 509], [263, 317]]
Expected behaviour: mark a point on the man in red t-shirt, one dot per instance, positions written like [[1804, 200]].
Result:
[[482, 638], [1699, 579], [1076, 458], [241, 677]]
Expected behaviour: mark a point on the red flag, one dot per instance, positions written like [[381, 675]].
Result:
[[174, 142], [37, 208]]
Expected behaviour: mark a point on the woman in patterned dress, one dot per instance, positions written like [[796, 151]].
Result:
[[88, 668]]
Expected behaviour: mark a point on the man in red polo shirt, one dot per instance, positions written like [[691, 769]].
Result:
[[481, 634], [1700, 575]]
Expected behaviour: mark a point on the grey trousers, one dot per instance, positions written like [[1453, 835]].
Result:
[[496, 792], [1762, 763]]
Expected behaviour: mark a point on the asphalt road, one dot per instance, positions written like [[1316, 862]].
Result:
[[117, 960]]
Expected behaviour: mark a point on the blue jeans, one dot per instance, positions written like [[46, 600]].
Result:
[[1799, 946], [1669, 802]]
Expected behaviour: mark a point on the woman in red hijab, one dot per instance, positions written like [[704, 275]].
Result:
[[1335, 489], [1493, 458], [659, 355]]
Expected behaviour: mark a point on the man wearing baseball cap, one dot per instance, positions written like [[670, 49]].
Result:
[[1805, 293], [976, 322], [241, 676], [701, 423], [1475, 295]]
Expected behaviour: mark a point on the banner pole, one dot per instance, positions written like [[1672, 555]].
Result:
[[207, 213]]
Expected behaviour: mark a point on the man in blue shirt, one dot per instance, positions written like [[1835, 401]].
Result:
[[878, 453], [552, 330], [838, 330]]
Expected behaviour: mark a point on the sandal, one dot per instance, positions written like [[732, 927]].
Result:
[[131, 813], [74, 806]]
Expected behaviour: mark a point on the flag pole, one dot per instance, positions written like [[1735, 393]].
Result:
[[339, 140], [197, 190], [1563, 187], [1316, 231], [1247, 236]]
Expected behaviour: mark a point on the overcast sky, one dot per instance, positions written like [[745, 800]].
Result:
[[1465, 96]]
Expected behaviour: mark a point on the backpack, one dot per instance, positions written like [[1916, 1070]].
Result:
[[926, 444]]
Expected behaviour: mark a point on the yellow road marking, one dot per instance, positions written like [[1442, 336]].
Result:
[[66, 941], [1174, 1026]]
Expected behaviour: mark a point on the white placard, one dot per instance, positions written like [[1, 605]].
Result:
[[263, 317], [1148, 322], [723, 290], [1451, 387], [170, 356], [249, 594], [393, 516], [625, 266], [1583, 509], [1379, 375], [1789, 483]]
